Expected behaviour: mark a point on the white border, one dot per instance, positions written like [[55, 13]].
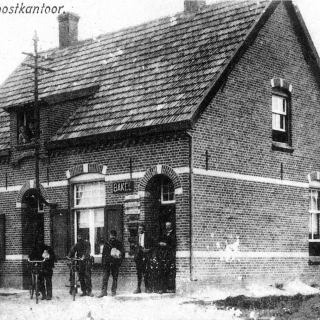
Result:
[[181, 170]]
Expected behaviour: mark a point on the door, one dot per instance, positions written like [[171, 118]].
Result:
[[114, 220], [59, 232]]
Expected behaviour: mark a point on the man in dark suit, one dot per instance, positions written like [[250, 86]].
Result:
[[41, 251], [82, 250], [112, 257], [142, 245], [167, 259]]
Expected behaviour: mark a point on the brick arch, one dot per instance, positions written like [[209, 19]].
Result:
[[86, 168], [27, 186], [281, 83], [161, 169]]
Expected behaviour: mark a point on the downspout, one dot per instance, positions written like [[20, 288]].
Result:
[[191, 202]]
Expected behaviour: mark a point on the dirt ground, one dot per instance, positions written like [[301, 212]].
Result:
[[295, 300]]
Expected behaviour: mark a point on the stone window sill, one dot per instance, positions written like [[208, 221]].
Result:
[[280, 146], [26, 146]]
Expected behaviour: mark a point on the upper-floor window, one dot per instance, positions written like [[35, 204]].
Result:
[[25, 123], [167, 191], [281, 113], [280, 118]]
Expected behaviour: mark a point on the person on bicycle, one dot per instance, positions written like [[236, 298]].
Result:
[[42, 251], [82, 250], [112, 257]]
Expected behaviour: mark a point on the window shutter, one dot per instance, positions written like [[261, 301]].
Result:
[[59, 232], [113, 220], [2, 238]]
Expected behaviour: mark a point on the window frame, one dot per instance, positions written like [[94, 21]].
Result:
[[25, 116], [75, 206], [278, 135], [313, 212], [91, 207], [163, 180]]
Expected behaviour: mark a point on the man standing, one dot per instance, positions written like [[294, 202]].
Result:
[[82, 250], [167, 258], [141, 257], [112, 257], [41, 251]]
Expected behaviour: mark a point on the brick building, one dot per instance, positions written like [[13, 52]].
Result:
[[207, 119]]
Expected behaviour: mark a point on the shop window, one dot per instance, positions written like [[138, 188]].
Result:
[[89, 205], [280, 117], [167, 191], [314, 230], [26, 126], [90, 223]]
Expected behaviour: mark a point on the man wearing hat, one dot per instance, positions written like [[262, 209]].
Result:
[[167, 258], [41, 251], [82, 250], [141, 245], [112, 257]]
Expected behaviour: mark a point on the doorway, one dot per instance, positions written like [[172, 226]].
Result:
[[33, 222], [160, 205]]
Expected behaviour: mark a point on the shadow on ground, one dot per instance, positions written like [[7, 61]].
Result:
[[271, 307]]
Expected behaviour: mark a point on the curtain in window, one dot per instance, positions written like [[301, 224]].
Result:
[[83, 221], [99, 218]]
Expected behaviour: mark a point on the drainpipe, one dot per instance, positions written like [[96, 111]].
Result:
[[191, 201]]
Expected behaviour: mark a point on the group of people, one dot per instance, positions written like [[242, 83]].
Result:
[[155, 262], [26, 133]]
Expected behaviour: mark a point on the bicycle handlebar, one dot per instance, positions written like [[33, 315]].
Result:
[[36, 261], [74, 259]]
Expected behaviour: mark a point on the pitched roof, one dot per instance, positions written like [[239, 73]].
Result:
[[153, 74]]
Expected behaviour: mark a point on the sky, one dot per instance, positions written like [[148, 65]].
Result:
[[96, 17]]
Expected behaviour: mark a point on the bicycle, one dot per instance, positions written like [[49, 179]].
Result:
[[74, 279], [36, 270]]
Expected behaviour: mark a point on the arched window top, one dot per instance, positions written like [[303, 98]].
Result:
[[85, 168], [281, 84], [314, 180]]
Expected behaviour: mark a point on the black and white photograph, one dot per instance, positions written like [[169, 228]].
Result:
[[160, 160]]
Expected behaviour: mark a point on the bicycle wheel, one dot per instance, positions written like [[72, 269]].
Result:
[[37, 289]]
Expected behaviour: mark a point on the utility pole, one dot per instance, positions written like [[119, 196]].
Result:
[[36, 69]]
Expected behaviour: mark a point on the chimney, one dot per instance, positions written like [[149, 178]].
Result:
[[192, 6], [68, 29]]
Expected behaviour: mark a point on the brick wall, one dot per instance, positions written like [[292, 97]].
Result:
[[236, 130], [145, 153]]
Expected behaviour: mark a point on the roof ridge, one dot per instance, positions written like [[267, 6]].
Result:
[[181, 14]]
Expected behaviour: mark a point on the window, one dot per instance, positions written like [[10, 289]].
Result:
[[314, 215], [314, 230], [167, 191], [280, 118], [89, 194], [89, 203], [26, 129]]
